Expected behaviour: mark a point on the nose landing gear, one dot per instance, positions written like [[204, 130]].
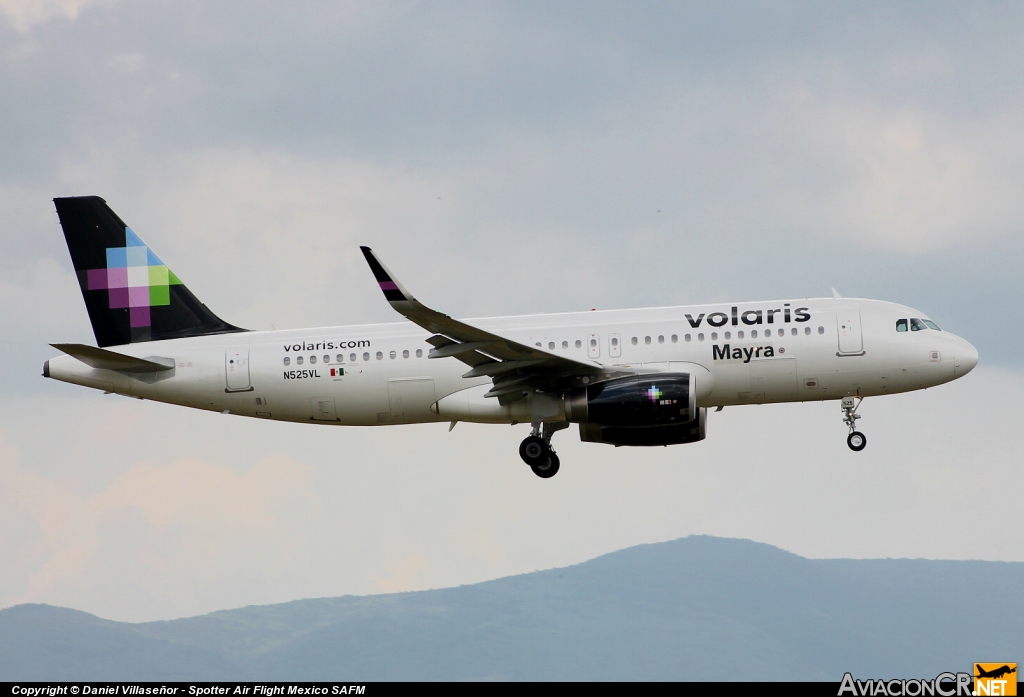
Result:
[[536, 450], [856, 440]]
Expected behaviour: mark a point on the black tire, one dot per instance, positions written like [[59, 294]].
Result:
[[534, 450], [550, 468], [857, 441]]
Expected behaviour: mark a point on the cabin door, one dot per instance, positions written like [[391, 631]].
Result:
[[851, 342], [236, 368]]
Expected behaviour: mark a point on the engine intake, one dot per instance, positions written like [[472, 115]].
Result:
[[660, 399]]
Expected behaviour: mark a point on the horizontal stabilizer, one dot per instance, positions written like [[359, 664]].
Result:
[[103, 359]]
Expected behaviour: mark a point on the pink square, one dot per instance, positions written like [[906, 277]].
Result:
[[139, 316], [97, 279], [118, 298], [138, 296], [117, 278]]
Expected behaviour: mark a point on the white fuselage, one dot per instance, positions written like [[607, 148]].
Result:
[[364, 375]]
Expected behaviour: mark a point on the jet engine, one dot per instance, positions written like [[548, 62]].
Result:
[[656, 409]]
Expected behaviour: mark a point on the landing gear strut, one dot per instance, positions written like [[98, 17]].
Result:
[[537, 452], [856, 440]]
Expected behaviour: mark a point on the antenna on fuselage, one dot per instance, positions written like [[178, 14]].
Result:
[[835, 294]]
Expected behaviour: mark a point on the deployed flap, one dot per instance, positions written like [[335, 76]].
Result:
[[487, 353], [111, 360]]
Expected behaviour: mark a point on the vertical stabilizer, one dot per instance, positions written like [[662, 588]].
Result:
[[130, 294]]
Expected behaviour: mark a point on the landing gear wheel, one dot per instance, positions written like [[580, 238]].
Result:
[[534, 451], [549, 469], [857, 441]]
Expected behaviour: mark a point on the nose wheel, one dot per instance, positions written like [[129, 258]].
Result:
[[856, 440], [536, 450]]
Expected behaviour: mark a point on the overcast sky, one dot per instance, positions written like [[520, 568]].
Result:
[[552, 156]]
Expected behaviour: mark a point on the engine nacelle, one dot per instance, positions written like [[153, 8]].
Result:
[[660, 399], [651, 435]]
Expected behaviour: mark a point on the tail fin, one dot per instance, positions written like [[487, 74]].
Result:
[[130, 294]]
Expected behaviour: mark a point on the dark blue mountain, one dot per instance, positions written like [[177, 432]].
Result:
[[698, 608]]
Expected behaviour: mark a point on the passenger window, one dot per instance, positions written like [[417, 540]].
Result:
[[287, 360], [661, 339], [700, 337], [753, 334], [714, 336], [675, 338], [341, 358], [615, 341], [352, 357], [793, 331], [312, 360], [686, 338], [405, 353], [551, 345], [916, 325], [565, 344], [393, 355], [901, 325], [366, 356], [739, 335], [380, 356], [298, 360], [593, 343], [419, 353], [579, 343], [327, 359], [633, 341], [767, 332], [647, 340], [821, 330], [807, 330]]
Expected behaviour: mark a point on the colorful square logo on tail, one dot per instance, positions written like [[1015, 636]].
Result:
[[654, 394], [135, 278], [995, 679]]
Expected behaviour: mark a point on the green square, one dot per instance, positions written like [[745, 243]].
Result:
[[158, 275], [159, 295], [172, 280]]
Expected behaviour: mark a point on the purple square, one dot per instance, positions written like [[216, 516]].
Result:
[[139, 316], [97, 279], [117, 278], [118, 298], [138, 297]]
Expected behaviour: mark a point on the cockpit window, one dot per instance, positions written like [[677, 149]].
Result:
[[917, 325], [932, 325], [901, 325]]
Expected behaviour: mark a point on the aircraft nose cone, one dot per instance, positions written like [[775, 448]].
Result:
[[966, 359]]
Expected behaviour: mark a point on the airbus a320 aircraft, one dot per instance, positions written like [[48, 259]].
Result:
[[638, 377]]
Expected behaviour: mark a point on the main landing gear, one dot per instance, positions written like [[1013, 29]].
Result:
[[537, 452], [856, 440]]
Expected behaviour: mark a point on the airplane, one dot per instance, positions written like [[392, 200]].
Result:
[[995, 673], [631, 377]]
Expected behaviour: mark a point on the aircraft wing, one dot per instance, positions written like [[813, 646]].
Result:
[[513, 367]]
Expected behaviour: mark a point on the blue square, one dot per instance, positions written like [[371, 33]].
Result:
[[137, 256], [153, 260], [131, 239], [117, 257]]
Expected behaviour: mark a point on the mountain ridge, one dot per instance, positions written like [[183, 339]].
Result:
[[694, 608]]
